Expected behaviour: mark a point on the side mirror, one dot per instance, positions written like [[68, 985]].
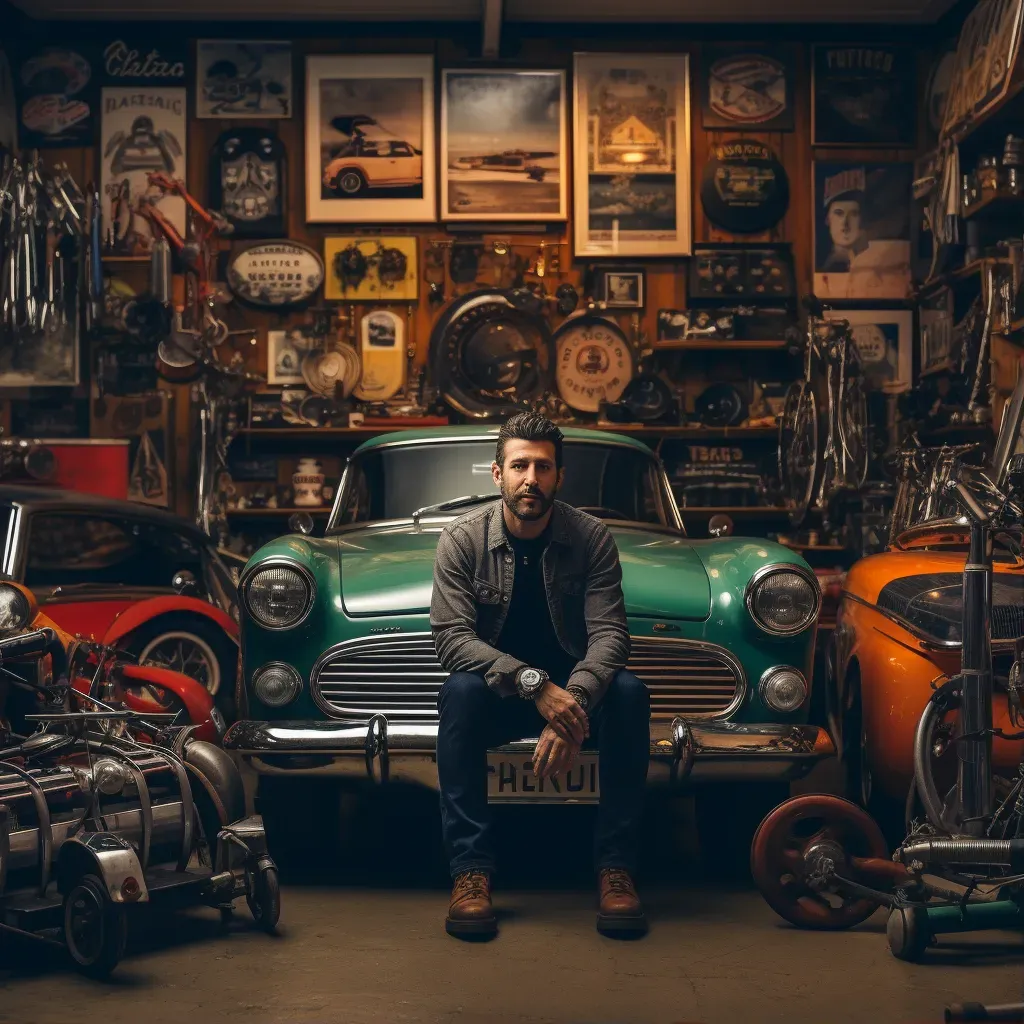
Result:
[[300, 522], [720, 526], [185, 583]]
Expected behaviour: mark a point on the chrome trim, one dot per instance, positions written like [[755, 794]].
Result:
[[337, 506], [270, 563], [295, 674], [927, 641], [17, 534], [768, 673], [778, 567]]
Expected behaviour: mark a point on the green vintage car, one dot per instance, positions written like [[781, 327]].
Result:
[[340, 674]]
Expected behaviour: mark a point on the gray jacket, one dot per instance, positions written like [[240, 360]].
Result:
[[473, 576]]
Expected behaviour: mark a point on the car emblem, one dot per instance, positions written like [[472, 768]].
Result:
[[664, 627], [386, 629]]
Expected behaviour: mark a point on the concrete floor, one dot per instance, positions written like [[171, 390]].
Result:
[[362, 942]]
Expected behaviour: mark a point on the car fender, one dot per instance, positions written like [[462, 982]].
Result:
[[171, 604], [197, 700], [106, 855]]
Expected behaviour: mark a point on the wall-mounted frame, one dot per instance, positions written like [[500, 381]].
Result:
[[935, 327], [631, 117], [374, 268], [884, 340], [620, 287], [370, 140], [746, 87], [238, 78], [504, 148]]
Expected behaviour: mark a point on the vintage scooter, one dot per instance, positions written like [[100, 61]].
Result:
[[822, 862]]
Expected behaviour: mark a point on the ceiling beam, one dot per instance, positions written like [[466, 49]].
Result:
[[492, 11]]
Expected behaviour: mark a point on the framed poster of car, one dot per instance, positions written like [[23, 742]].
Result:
[[631, 116], [504, 148], [746, 87], [883, 338], [370, 139], [864, 95]]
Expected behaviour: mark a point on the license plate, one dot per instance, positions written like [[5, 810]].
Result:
[[510, 779]]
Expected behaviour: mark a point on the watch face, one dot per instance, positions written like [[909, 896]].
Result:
[[530, 678], [594, 364]]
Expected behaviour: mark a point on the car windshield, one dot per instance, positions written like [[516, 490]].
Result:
[[610, 481]]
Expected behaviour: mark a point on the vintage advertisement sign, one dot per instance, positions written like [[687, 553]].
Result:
[[275, 275], [745, 187], [137, 61], [746, 87], [56, 99]]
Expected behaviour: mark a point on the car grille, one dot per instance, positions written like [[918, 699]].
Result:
[[400, 676]]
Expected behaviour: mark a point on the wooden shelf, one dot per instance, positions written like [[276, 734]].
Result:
[[996, 205], [126, 259], [733, 510], [694, 345], [276, 513], [689, 433], [964, 273]]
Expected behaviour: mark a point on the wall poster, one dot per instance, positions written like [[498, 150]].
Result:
[[746, 87], [243, 79], [884, 343]]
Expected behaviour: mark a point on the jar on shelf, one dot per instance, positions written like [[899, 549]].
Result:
[[308, 484], [1013, 164], [988, 174]]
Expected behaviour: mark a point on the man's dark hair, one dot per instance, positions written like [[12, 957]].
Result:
[[529, 426]]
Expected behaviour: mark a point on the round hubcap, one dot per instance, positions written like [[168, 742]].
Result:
[[350, 182], [185, 653], [85, 925]]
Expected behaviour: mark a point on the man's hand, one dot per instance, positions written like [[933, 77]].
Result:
[[563, 714], [553, 755]]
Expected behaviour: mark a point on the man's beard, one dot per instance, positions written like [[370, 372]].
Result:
[[529, 515]]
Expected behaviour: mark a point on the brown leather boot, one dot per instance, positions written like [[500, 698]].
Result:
[[470, 911], [620, 910]]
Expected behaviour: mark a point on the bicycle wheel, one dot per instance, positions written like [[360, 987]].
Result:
[[857, 432], [798, 449]]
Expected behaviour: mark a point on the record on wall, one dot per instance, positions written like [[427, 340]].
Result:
[[745, 188], [746, 87]]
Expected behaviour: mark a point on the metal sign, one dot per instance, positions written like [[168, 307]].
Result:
[[275, 275]]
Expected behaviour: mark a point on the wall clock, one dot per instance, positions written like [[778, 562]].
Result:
[[593, 361]]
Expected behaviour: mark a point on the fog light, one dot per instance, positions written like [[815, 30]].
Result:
[[276, 684], [783, 689]]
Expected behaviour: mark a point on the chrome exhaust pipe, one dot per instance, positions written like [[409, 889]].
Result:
[[965, 850]]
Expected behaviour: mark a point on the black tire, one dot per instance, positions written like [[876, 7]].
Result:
[[264, 898], [302, 822], [349, 182], [207, 635], [95, 928]]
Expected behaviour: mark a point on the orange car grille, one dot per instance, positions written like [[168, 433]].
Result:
[[400, 676]]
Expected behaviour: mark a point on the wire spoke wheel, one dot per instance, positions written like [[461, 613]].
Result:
[[186, 653], [798, 448]]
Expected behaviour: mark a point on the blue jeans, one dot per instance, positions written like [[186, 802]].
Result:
[[474, 718]]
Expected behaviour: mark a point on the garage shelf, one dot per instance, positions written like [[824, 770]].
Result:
[[270, 513], [733, 510], [717, 346], [689, 433]]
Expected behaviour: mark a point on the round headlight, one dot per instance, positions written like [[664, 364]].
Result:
[[278, 596], [783, 601], [276, 684], [14, 609], [783, 689]]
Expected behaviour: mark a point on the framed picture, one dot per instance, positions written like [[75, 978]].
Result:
[[864, 96], [620, 287], [57, 96], [862, 230], [631, 114], [935, 327], [370, 139], [746, 87], [285, 351], [143, 130], [379, 268], [883, 338], [504, 154], [243, 79]]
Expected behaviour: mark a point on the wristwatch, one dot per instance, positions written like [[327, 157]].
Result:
[[530, 681], [579, 695]]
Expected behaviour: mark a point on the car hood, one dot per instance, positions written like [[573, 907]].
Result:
[[389, 570]]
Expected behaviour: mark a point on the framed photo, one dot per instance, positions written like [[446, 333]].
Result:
[[862, 230], [746, 87], [370, 140], [883, 338], [621, 287], [285, 351], [631, 114], [378, 268], [935, 327], [504, 154], [243, 79], [864, 96]]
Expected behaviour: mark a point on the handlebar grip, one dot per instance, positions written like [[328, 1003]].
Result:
[[33, 643]]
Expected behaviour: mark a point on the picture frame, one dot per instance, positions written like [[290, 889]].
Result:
[[244, 79], [627, 107], [504, 145], [935, 330], [862, 218], [747, 87], [621, 287], [285, 351], [371, 268], [362, 112], [864, 95], [884, 341]]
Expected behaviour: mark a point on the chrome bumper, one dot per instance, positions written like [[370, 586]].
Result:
[[383, 751]]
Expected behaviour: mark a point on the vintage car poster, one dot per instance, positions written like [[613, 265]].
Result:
[[746, 87], [142, 59], [56, 98], [143, 131], [883, 338], [503, 146], [862, 230], [864, 95], [240, 79], [632, 155], [370, 139]]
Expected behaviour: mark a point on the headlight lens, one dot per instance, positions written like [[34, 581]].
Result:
[[783, 689], [278, 596], [14, 609], [276, 684], [783, 602]]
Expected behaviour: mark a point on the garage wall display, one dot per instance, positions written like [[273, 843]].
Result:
[[275, 275], [240, 79], [503, 145], [632, 155], [718, 272], [864, 96], [370, 139], [862, 230], [621, 287], [145, 60], [377, 269], [57, 99], [746, 87], [247, 182], [745, 188], [593, 361], [382, 354], [143, 130], [884, 342], [285, 351]]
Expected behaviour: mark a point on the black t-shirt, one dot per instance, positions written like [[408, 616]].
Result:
[[529, 634]]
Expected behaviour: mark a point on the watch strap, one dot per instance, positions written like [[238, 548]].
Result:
[[579, 695]]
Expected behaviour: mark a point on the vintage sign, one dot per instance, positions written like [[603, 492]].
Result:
[[745, 188], [746, 87], [135, 62], [594, 362], [57, 99], [275, 275]]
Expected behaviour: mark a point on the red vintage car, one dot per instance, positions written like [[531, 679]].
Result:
[[128, 575]]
